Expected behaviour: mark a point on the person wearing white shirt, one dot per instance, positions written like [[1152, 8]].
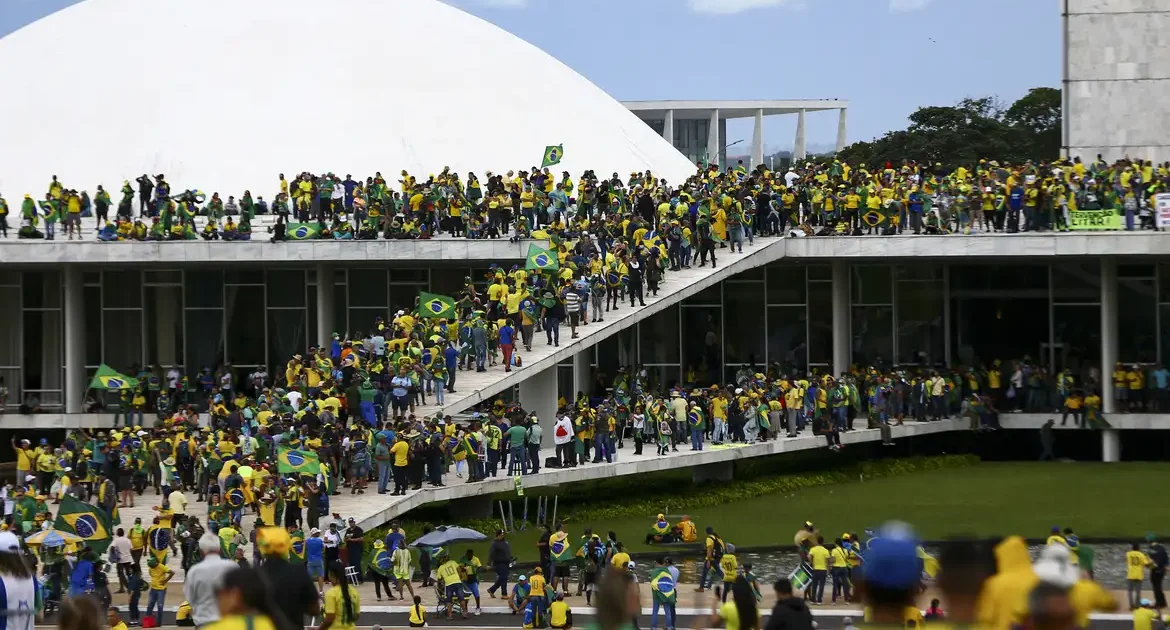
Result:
[[332, 541], [204, 579], [178, 502], [294, 400], [563, 439], [173, 378]]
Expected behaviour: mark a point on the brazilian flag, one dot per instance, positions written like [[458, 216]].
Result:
[[662, 586], [540, 259], [158, 539], [559, 547], [297, 550], [235, 500], [302, 231], [289, 460], [108, 378], [553, 155], [87, 521], [695, 418], [431, 305], [381, 562]]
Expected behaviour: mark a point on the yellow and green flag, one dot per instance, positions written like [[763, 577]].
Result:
[[540, 259], [87, 521], [553, 155], [431, 305], [290, 460], [302, 231], [108, 378]]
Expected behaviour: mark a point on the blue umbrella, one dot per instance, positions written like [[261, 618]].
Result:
[[448, 535]]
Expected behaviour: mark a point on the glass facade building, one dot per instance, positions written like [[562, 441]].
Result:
[[900, 313]]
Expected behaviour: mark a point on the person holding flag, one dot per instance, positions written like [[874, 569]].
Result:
[[665, 593], [562, 555]]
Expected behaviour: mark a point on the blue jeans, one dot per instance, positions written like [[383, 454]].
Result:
[[383, 476], [667, 615], [518, 458], [440, 388], [735, 235], [158, 598], [840, 418], [696, 439]]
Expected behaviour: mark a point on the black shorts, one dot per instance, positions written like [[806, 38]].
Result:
[[561, 570]]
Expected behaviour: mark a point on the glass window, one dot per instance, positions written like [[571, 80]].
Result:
[[711, 296], [820, 323], [244, 276], [1136, 320], [312, 310], [1077, 330], [164, 325], [744, 336], [414, 276], [918, 272], [786, 284], [565, 382], [403, 296], [165, 276], [820, 272], [872, 333], [788, 337], [753, 274], [920, 323], [203, 288], [448, 280], [10, 278], [11, 335], [286, 287], [362, 319], [93, 325], [662, 377], [286, 336], [1137, 270], [245, 325], [999, 277], [122, 289], [658, 337], [615, 351], [340, 312], [1076, 282], [871, 284], [42, 289], [368, 287], [44, 353], [122, 340], [204, 331], [701, 343], [91, 277], [1164, 279]]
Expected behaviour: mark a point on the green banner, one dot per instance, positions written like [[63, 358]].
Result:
[[1094, 220]]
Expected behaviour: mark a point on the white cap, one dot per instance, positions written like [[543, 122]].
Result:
[[9, 543], [30, 478]]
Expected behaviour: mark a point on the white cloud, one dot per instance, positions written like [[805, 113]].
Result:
[[903, 6], [734, 6]]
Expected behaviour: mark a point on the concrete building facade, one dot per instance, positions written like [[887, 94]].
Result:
[[1059, 299], [1116, 78], [698, 129]]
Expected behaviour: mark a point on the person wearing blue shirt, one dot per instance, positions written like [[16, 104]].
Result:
[[315, 558], [915, 203], [507, 343], [1161, 380], [1015, 202], [452, 357], [394, 539], [349, 186]]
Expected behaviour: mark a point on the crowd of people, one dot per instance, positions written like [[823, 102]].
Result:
[[816, 197]]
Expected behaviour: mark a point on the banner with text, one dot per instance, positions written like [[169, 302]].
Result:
[[1094, 220]]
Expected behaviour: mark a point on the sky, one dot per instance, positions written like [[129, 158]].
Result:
[[885, 57]]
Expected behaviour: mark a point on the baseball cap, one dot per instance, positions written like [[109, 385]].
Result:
[[9, 543], [892, 559]]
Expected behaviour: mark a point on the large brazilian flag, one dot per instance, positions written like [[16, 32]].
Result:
[[290, 460], [109, 378], [87, 521], [559, 547], [302, 231], [662, 586]]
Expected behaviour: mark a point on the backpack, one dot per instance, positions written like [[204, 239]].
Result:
[[717, 548], [184, 450]]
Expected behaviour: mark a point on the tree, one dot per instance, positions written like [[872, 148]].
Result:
[[970, 130]]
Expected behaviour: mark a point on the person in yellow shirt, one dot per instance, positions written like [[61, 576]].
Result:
[[1143, 616], [839, 570], [342, 602], [1136, 562], [24, 460], [729, 567], [401, 454], [1135, 380], [818, 557], [159, 576], [560, 616]]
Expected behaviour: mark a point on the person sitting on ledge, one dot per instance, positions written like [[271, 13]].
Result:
[[660, 532], [210, 231]]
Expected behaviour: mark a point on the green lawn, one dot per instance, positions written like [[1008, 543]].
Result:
[[1097, 500]]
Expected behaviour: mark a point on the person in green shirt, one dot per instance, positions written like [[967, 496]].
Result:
[[516, 436]]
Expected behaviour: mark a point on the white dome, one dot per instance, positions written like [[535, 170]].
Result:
[[223, 95]]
